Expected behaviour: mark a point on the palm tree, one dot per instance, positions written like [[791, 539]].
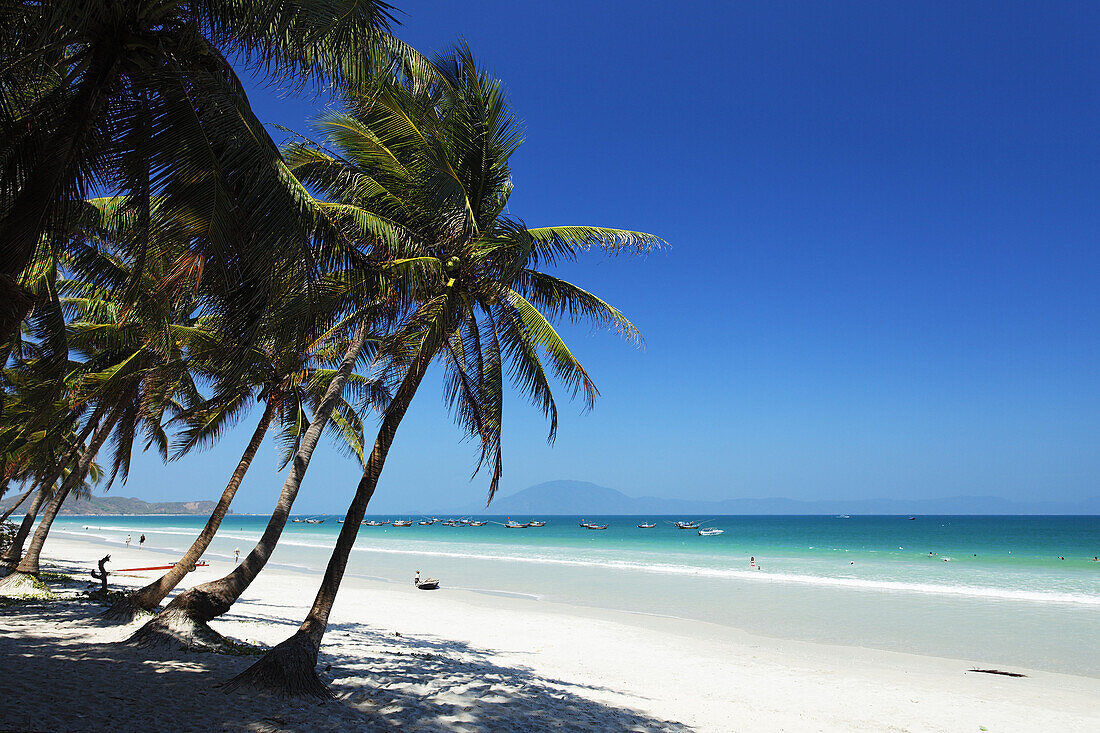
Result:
[[184, 620], [133, 372], [286, 378], [139, 96], [432, 155]]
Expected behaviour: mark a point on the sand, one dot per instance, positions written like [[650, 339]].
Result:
[[399, 658]]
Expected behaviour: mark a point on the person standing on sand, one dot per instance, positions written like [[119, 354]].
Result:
[[416, 580], [236, 555], [141, 542], [127, 542]]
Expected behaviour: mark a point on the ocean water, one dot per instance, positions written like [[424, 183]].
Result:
[[994, 590]]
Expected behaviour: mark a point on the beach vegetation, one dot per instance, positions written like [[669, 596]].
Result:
[[432, 156]]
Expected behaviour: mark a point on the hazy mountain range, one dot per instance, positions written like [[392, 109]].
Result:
[[583, 497], [121, 505]]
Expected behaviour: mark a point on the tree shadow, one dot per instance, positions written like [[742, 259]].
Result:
[[382, 681]]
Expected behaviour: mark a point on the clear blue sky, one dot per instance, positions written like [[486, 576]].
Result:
[[882, 279]]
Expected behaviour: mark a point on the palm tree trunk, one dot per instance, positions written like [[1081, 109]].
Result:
[[26, 219], [289, 668], [29, 563], [15, 549], [183, 622], [19, 502], [151, 595]]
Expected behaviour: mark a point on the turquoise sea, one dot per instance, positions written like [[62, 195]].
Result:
[[993, 590]]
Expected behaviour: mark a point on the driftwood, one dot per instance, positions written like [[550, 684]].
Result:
[[101, 576]]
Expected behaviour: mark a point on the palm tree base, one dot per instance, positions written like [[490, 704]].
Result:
[[289, 669], [125, 611], [177, 628], [17, 583]]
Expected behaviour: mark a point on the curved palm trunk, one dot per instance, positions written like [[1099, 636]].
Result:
[[149, 597], [15, 549], [183, 622], [289, 668], [29, 563], [19, 502], [25, 221]]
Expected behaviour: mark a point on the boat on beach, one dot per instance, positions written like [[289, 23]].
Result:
[[428, 584]]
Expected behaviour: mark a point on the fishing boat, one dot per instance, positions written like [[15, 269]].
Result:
[[512, 524], [427, 522], [911, 519], [402, 523], [594, 526], [428, 584], [710, 532], [315, 521], [477, 524], [373, 523], [451, 523], [297, 520], [536, 524], [646, 526], [687, 525], [340, 520]]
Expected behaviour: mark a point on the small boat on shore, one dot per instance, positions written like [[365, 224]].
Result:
[[428, 584], [710, 532], [646, 526]]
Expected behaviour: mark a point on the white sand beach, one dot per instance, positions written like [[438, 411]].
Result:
[[448, 660]]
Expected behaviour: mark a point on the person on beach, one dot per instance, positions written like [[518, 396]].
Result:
[[416, 580], [127, 542], [752, 563], [236, 555], [141, 542]]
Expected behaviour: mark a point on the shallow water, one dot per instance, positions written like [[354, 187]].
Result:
[[1003, 596]]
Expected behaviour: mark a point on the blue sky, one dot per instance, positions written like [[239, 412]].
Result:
[[882, 272]]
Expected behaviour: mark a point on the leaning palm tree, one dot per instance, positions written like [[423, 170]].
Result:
[[432, 155], [139, 96], [290, 381]]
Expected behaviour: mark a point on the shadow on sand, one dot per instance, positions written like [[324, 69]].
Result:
[[382, 682]]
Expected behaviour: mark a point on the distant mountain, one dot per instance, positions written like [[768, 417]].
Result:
[[583, 497], [124, 505]]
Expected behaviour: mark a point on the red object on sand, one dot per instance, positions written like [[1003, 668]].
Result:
[[158, 567]]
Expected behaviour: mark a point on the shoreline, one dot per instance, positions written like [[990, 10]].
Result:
[[611, 663]]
